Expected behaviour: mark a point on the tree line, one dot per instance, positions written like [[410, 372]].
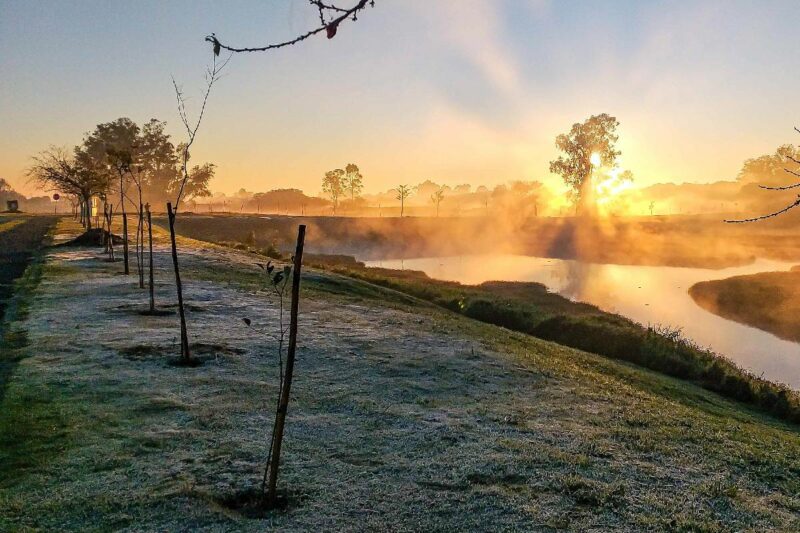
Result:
[[135, 165]]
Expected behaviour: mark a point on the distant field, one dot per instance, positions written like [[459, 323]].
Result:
[[690, 241], [768, 301]]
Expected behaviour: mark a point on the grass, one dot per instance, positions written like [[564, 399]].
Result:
[[531, 309], [10, 224], [403, 417]]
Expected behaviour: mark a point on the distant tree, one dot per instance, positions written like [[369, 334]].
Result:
[[589, 144], [437, 198], [333, 186], [652, 206], [7, 192], [787, 154], [197, 182], [352, 181], [56, 170], [770, 170], [403, 192]]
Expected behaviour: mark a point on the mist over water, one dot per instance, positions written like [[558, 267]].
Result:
[[646, 294]]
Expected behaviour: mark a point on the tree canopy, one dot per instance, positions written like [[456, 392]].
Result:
[[333, 186], [589, 144]]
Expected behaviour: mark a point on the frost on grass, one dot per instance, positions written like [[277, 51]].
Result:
[[402, 418]]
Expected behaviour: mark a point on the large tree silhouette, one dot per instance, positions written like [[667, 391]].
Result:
[[589, 144]]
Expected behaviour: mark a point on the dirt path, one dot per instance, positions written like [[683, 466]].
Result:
[[403, 417]]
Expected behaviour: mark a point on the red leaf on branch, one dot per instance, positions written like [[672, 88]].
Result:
[[330, 30]]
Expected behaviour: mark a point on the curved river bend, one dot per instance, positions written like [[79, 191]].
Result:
[[646, 294]]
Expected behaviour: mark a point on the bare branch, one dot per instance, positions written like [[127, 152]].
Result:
[[784, 188], [213, 74], [338, 15], [764, 217]]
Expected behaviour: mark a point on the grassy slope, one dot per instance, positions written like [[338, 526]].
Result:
[[768, 300], [404, 416], [530, 308]]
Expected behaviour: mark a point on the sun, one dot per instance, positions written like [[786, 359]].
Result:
[[595, 159]]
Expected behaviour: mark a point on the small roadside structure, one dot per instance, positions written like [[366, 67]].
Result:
[[12, 206]]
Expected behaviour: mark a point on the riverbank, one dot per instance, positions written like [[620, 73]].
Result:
[[404, 416], [769, 301], [683, 241], [530, 308]]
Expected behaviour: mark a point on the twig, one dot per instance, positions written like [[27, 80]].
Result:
[[764, 217], [212, 75], [329, 27]]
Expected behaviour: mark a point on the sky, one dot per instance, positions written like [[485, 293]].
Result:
[[457, 91]]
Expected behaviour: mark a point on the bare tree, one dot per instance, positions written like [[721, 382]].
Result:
[[212, 75], [54, 169], [790, 206]]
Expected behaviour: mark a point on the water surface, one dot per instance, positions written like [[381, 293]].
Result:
[[646, 294]]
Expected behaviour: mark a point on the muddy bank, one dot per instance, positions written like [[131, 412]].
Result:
[[695, 241], [769, 301]]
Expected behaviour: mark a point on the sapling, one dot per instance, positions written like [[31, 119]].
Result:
[[278, 281]]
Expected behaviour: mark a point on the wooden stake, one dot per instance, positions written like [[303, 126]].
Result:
[[283, 406], [125, 239], [140, 246], [150, 234], [185, 355]]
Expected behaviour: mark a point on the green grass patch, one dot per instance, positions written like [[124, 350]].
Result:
[[529, 308]]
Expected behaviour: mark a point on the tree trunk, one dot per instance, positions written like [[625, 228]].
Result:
[[185, 355], [283, 406], [86, 212], [150, 240]]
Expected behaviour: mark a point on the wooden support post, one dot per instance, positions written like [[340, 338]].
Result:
[[150, 239], [125, 240], [283, 405], [185, 355], [109, 235], [140, 246]]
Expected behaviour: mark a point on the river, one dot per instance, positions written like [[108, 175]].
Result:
[[646, 294]]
